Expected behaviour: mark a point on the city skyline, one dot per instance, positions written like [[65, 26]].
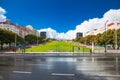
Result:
[[62, 18]]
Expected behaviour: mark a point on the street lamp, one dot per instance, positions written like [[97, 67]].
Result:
[[115, 21], [37, 40], [15, 40], [93, 33], [24, 40], [105, 36]]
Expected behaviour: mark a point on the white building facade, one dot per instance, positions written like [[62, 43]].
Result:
[[20, 30], [115, 25], [9, 26]]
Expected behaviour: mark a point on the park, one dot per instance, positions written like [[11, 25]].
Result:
[[59, 46]]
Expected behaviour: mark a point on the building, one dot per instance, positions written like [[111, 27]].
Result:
[[43, 34], [31, 30], [113, 25], [79, 34], [20, 30], [7, 25], [35, 32], [105, 28]]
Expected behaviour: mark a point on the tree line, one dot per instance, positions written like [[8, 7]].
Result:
[[8, 37], [102, 39]]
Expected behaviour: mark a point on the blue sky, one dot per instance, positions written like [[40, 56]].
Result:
[[60, 15]]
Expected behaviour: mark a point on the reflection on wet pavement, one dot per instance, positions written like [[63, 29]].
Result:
[[60, 68]]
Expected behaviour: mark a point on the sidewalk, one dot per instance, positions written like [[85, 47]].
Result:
[[108, 51]]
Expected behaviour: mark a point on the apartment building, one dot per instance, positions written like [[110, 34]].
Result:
[[20, 30], [112, 25], [7, 25]]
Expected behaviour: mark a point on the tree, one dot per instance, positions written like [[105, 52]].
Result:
[[31, 39], [118, 37], [99, 39], [106, 38], [40, 40], [109, 38], [80, 40], [8, 37], [90, 39]]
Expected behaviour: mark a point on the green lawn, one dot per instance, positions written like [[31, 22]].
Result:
[[60, 46]]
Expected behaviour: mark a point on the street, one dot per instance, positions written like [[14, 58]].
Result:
[[59, 68]]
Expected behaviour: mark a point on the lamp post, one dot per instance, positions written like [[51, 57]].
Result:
[[15, 40], [24, 41], [37, 40], [116, 42], [84, 42], [105, 36], [93, 33]]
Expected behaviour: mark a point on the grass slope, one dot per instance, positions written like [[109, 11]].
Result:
[[60, 46]]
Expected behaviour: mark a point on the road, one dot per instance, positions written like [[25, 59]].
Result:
[[59, 68]]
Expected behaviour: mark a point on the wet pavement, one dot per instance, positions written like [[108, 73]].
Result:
[[60, 68]]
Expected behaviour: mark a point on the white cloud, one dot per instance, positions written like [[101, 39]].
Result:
[[30, 27], [2, 16], [87, 25], [90, 25], [51, 33], [112, 14]]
